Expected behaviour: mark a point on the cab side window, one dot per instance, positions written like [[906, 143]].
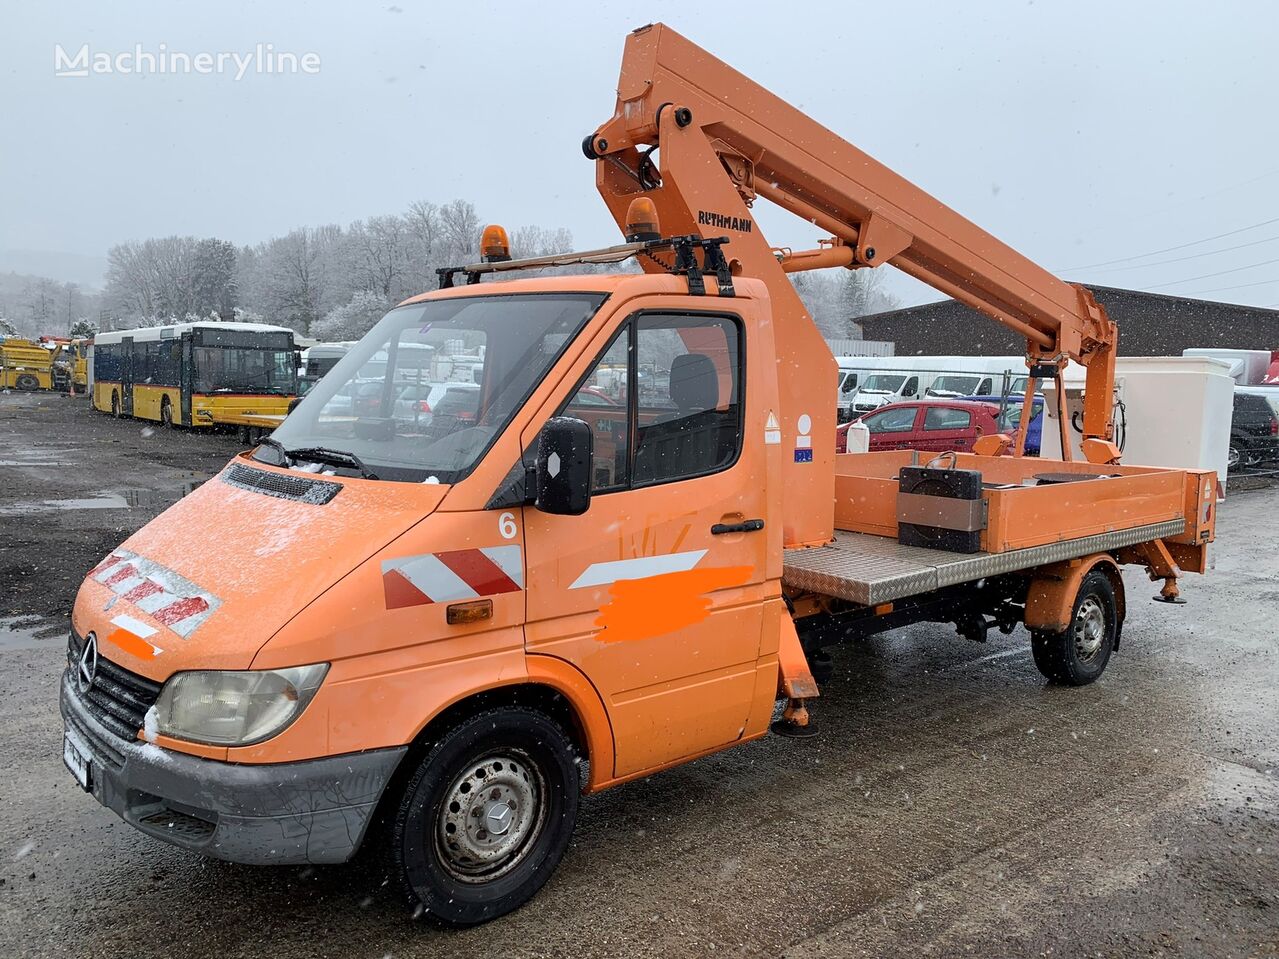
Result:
[[664, 401], [601, 402], [912, 387], [689, 396]]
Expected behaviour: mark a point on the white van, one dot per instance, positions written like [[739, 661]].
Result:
[[848, 380], [889, 386]]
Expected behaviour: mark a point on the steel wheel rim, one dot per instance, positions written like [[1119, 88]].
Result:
[[1089, 629], [490, 817], [1233, 456]]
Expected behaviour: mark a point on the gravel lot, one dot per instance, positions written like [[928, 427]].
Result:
[[953, 805]]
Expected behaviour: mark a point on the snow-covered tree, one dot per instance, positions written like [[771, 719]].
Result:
[[353, 319]]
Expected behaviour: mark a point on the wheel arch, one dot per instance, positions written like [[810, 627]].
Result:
[[1050, 597], [553, 687]]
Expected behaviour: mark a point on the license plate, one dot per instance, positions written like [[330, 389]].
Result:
[[77, 759]]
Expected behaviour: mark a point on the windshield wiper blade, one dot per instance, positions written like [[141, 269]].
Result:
[[322, 454]]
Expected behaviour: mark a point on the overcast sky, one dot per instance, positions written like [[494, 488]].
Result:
[[1079, 132]]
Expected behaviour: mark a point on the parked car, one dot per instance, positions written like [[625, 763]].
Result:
[[1254, 426], [422, 401], [939, 425], [1010, 418], [357, 398]]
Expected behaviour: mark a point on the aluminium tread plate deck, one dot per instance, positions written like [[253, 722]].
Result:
[[867, 569]]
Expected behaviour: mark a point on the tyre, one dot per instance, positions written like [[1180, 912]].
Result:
[[1078, 656], [166, 413], [115, 404], [1236, 454], [26, 381], [486, 817]]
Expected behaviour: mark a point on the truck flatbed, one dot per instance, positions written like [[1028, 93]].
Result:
[[867, 569]]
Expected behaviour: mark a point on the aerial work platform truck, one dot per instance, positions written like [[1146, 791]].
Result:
[[430, 625]]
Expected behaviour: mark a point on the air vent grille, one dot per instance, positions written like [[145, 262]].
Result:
[[296, 488]]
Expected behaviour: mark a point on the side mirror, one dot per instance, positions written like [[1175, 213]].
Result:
[[564, 451]]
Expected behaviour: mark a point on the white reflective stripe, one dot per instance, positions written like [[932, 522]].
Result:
[[126, 585], [432, 577], [135, 626], [601, 574], [508, 560], [149, 604]]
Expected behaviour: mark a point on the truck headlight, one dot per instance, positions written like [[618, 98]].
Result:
[[235, 708]]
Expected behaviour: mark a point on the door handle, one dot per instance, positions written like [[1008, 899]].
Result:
[[746, 526]]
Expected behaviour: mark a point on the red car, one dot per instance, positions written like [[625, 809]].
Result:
[[938, 425]]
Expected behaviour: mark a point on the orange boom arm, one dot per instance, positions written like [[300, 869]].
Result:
[[719, 152]]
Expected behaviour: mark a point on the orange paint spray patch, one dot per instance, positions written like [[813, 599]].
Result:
[[132, 644], [656, 605]]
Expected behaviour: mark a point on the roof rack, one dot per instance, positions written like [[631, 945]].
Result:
[[685, 263]]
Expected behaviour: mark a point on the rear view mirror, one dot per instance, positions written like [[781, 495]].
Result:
[[564, 450]]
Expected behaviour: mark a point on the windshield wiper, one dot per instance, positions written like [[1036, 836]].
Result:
[[322, 454]]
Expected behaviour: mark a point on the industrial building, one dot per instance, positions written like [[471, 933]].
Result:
[[1150, 324]]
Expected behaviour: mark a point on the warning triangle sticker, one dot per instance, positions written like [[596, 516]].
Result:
[[772, 422]]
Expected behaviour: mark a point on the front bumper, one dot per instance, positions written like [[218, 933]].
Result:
[[315, 811]]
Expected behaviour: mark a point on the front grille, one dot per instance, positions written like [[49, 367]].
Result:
[[296, 488], [117, 698]]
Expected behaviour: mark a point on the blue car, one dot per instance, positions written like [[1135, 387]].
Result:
[[1010, 417]]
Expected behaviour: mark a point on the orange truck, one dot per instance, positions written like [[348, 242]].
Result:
[[428, 616]]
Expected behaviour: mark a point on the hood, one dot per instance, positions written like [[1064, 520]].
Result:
[[208, 582]]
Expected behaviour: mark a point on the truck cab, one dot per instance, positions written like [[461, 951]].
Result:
[[336, 605]]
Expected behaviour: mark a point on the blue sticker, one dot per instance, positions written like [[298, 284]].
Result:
[[803, 456]]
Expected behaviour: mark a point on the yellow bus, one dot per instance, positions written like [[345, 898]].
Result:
[[194, 374]]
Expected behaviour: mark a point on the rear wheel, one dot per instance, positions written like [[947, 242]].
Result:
[[1078, 655], [486, 817], [26, 381], [115, 403]]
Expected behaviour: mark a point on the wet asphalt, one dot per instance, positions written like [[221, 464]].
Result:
[[953, 805]]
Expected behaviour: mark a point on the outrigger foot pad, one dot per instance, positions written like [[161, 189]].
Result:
[[795, 723], [1170, 593], [792, 730]]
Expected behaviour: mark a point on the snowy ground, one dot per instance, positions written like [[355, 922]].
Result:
[[953, 804]]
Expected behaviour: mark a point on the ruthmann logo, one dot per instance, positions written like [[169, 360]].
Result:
[[237, 64], [722, 222]]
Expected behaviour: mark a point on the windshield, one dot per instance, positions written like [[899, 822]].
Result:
[[884, 383], [233, 369], [428, 390], [957, 385]]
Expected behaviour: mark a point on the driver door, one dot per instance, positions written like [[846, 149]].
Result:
[[656, 593]]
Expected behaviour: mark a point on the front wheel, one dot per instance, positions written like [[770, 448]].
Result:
[[166, 413], [1078, 655], [487, 816], [115, 404]]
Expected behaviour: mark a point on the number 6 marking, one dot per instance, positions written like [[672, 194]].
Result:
[[506, 526]]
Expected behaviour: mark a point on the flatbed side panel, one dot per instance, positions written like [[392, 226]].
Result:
[[869, 570]]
